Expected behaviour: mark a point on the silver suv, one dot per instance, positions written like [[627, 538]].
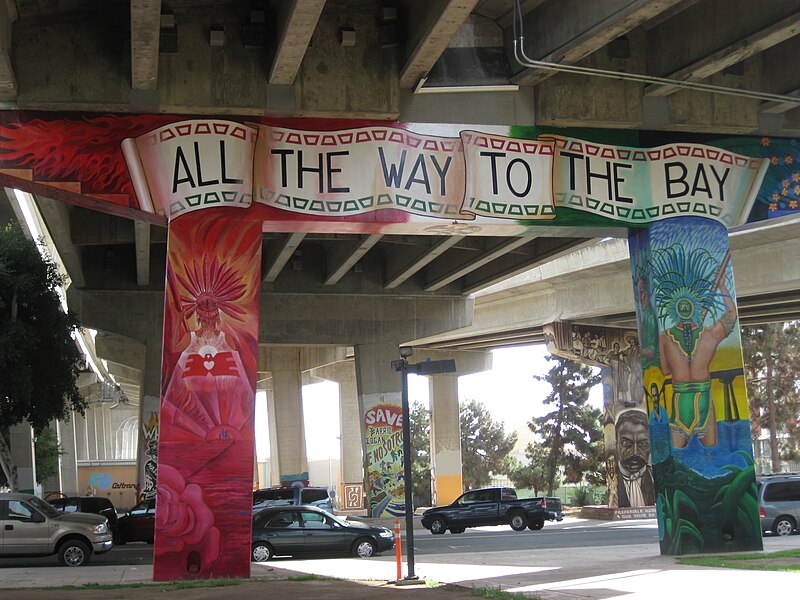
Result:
[[29, 526], [779, 502]]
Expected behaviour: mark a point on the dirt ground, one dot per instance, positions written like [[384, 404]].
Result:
[[251, 589]]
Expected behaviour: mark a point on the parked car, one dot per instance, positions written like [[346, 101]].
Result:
[[779, 502], [138, 524], [282, 496], [294, 530], [87, 504], [29, 526], [492, 506]]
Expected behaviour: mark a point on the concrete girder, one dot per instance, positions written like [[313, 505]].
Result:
[[288, 248], [780, 107], [145, 32], [352, 257], [553, 38], [310, 357], [422, 259], [296, 24], [8, 83], [431, 33], [57, 216], [141, 232], [731, 54]]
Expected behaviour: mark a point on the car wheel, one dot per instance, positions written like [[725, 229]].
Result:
[[518, 522], [438, 526], [261, 552], [536, 525], [457, 530], [74, 553], [364, 548], [783, 525]]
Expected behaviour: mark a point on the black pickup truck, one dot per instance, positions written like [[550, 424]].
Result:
[[492, 506]]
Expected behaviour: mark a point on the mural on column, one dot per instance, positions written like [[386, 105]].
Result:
[[383, 460], [323, 176], [148, 448], [625, 425], [206, 449], [697, 401]]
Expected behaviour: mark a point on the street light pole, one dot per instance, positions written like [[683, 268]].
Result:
[[407, 475]]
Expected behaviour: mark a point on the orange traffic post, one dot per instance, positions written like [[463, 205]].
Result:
[[397, 550]]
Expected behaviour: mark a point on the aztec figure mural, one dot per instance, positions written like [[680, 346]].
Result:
[[218, 184], [701, 446], [625, 425]]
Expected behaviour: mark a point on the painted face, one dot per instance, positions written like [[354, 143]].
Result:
[[633, 445]]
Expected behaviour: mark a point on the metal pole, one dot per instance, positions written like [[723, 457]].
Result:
[[407, 475]]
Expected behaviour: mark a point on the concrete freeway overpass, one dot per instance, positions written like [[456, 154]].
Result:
[[645, 69]]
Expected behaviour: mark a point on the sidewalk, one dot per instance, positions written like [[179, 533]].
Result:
[[630, 572]]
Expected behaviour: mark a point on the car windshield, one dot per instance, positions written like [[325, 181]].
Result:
[[43, 507]]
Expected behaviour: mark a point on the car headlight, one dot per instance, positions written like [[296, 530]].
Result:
[[100, 528], [386, 533]]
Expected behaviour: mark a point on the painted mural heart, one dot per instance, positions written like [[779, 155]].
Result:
[[208, 364]]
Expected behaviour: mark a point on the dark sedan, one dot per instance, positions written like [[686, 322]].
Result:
[[138, 524], [293, 530]]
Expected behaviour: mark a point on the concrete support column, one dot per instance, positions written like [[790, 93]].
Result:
[[380, 399], [693, 373], [274, 452], [147, 454], [20, 438], [54, 483], [91, 433], [81, 437], [445, 439], [351, 440], [68, 461], [287, 388]]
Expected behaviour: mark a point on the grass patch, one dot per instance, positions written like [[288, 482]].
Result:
[[167, 586], [310, 578], [783, 560], [499, 594]]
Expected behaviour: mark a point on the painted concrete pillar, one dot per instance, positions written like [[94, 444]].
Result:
[[206, 423], [445, 438], [380, 398], [53, 483], [20, 438], [147, 455], [287, 386], [68, 462], [691, 358]]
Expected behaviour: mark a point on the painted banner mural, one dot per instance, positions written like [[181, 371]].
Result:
[[297, 175]]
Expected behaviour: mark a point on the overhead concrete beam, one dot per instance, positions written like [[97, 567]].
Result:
[[356, 254], [433, 31], [730, 55], [297, 22], [145, 32], [567, 31], [290, 244], [8, 83], [56, 215], [480, 261], [776, 107], [426, 257], [141, 232], [121, 350]]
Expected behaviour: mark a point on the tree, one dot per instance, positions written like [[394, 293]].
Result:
[[420, 455], [484, 445], [533, 474], [571, 433], [39, 361], [772, 360], [47, 450]]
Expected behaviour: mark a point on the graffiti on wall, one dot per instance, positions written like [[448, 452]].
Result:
[[693, 374], [383, 431]]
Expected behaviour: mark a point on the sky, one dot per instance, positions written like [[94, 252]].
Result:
[[508, 390]]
